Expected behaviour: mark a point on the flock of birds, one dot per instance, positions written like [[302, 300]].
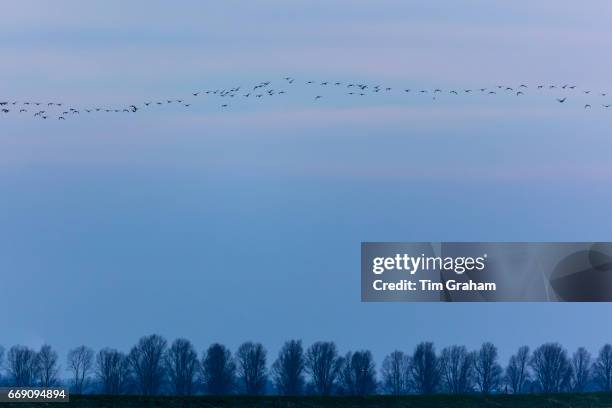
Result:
[[60, 111]]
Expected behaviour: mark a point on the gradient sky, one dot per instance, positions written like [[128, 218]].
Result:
[[246, 224]]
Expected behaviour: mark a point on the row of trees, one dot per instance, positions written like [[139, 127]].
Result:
[[155, 367]]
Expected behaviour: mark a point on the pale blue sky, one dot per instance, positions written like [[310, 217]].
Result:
[[246, 224]]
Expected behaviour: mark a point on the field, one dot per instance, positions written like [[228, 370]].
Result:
[[438, 401]]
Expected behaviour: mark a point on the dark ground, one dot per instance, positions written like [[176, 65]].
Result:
[[437, 401]]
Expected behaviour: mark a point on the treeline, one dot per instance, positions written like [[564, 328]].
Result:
[[153, 366]]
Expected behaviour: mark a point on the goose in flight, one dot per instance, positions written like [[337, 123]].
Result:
[[318, 97], [587, 106], [133, 108], [561, 100]]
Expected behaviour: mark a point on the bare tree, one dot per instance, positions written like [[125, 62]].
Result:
[[457, 369], [358, 373], [22, 366], [113, 370], [1, 359], [487, 369], [182, 364], [288, 369], [219, 370], [395, 371], [322, 363], [47, 369], [551, 367], [80, 364], [147, 363], [602, 369], [251, 362], [517, 372], [425, 368], [581, 369]]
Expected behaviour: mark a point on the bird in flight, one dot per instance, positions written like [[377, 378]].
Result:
[[364, 90]]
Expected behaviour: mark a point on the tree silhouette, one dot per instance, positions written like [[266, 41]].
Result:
[[47, 368], [322, 364], [1, 359], [581, 369], [218, 370], [153, 368], [357, 373], [251, 367], [288, 369], [517, 372], [602, 369], [425, 368], [551, 367], [487, 370], [147, 363], [181, 361], [457, 365], [80, 364], [395, 373], [22, 366], [113, 371]]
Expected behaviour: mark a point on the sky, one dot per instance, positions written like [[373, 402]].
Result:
[[246, 223]]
